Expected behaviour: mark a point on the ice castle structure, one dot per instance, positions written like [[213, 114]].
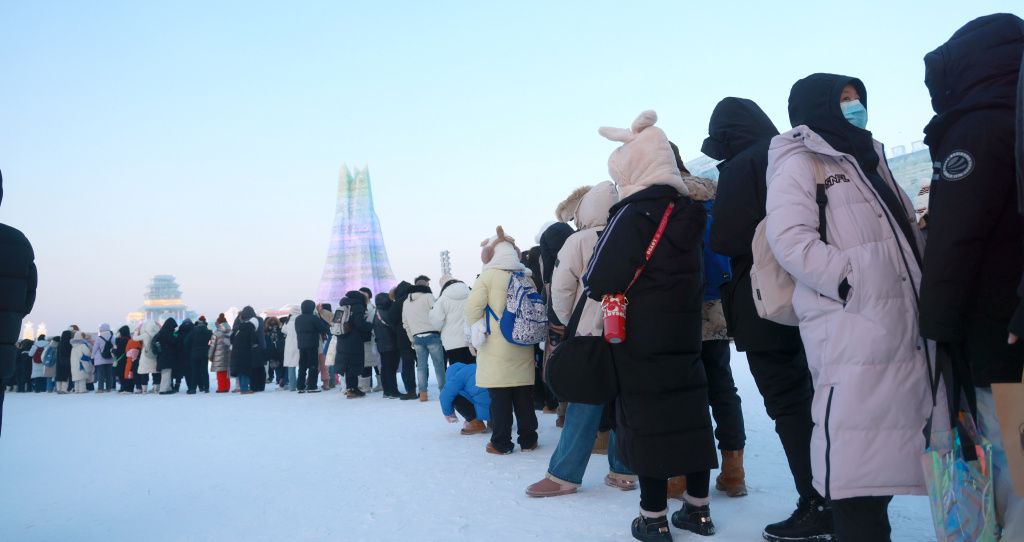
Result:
[[356, 256]]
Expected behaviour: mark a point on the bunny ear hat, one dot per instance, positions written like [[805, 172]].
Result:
[[645, 157], [501, 252]]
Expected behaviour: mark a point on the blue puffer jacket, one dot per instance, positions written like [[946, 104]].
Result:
[[460, 379]]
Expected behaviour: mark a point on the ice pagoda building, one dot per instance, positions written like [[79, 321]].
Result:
[[162, 301], [356, 256]]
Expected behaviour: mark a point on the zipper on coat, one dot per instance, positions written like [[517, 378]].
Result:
[[828, 446]]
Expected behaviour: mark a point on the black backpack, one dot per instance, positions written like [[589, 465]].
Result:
[[108, 348]]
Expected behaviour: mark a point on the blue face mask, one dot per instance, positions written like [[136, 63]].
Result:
[[855, 112]]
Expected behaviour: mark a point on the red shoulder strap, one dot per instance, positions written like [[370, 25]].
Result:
[[653, 244]]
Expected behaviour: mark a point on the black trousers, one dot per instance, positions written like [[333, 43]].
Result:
[[654, 491], [353, 367], [408, 357], [465, 408], [542, 395], [309, 369], [198, 375], [784, 381], [258, 377], [505, 402], [389, 372], [725, 401], [862, 519], [459, 355]]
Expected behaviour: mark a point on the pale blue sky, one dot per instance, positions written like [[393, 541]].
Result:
[[204, 139]]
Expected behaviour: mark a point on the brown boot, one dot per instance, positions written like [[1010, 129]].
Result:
[[676, 487], [474, 427], [601, 443], [423, 397], [560, 421], [732, 479]]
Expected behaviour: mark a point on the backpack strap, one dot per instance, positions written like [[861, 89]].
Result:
[[653, 244]]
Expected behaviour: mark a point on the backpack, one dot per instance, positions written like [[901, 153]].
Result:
[[525, 320], [50, 357], [108, 349], [38, 356], [717, 268], [772, 285]]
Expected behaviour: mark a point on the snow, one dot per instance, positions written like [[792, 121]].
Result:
[[282, 466]]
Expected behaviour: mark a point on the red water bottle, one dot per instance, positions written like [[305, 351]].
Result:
[[613, 309]]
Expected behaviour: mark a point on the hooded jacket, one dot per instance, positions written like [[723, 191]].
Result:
[[395, 316], [104, 337], [63, 373], [220, 348], [309, 327], [739, 133], [291, 341], [81, 360], [448, 315], [181, 364], [244, 345], [17, 290], [567, 280], [350, 345], [868, 363], [460, 380], [166, 346], [383, 334], [197, 343], [148, 361], [975, 253], [416, 312]]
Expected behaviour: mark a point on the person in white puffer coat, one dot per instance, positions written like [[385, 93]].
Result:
[[81, 361], [147, 361], [449, 316], [291, 348]]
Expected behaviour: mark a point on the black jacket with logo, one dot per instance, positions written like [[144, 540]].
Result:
[[975, 253]]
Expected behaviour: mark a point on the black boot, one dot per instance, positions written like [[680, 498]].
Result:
[[651, 529], [812, 521], [696, 519]]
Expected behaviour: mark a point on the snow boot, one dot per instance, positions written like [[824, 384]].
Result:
[[651, 529], [549, 488], [408, 396], [732, 479], [676, 487], [423, 397], [474, 427], [492, 450], [811, 521], [696, 519], [601, 443], [365, 384]]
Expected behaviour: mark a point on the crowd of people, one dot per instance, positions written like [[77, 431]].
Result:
[[885, 300]]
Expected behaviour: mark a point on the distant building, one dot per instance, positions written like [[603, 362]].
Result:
[[162, 301]]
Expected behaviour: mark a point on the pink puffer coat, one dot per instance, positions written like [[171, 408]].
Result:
[[867, 359]]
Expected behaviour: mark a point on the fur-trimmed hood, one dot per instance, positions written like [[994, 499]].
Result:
[[644, 159], [566, 211], [592, 211], [701, 189]]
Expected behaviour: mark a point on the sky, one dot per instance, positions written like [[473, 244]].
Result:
[[205, 139]]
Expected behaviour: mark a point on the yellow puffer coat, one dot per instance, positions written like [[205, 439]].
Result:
[[500, 364]]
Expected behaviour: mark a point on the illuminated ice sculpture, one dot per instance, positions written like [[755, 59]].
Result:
[[356, 256]]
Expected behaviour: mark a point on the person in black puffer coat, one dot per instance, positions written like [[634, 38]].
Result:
[[739, 133], [125, 370], [197, 347], [63, 376], [663, 422], [405, 351], [975, 252], [258, 371], [350, 351], [181, 363], [275, 351], [167, 355], [310, 328], [387, 345], [18, 280], [243, 352]]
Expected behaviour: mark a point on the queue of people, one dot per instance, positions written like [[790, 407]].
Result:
[[882, 305]]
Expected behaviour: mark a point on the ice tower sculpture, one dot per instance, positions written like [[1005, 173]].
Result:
[[356, 256]]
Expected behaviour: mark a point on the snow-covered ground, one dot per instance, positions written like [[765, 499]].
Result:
[[282, 466]]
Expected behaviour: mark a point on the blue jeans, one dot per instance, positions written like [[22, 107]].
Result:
[[570, 458], [428, 345], [1009, 507], [290, 379], [244, 382]]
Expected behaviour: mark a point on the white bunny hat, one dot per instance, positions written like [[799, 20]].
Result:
[[644, 159]]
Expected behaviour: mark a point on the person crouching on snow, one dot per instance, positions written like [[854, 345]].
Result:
[[462, 395]]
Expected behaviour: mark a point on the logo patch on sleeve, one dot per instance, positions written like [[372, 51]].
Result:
[[957, 165]]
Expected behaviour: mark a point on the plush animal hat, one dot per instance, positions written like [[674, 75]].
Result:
[[501, 252], [644, 159], [566, 211]]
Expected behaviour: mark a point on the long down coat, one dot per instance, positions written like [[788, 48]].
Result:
[[663, 426]]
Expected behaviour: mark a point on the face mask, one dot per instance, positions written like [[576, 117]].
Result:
[[855, 113]]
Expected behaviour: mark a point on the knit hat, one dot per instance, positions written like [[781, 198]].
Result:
[[644, 159], [201, 318]]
